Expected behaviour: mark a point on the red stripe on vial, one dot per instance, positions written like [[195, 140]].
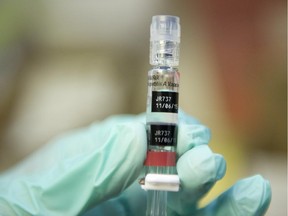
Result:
[[160, 159]]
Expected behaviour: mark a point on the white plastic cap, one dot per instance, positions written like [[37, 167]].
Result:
[[163, 182], [165, 27]]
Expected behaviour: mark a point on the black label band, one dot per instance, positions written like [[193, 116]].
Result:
[[163, 135], [165, 101]]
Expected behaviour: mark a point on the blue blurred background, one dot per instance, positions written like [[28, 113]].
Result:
[[65, 64]]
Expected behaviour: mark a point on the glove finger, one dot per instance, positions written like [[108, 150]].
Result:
[[120, 160], [94, 164], [198, 170], [191, 135], [248, 197]]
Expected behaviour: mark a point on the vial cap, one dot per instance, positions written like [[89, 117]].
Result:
[[162, 182], [165, 27]]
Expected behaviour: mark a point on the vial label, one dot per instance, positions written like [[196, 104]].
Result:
[[164, 159], [165, 101], [163, 135]]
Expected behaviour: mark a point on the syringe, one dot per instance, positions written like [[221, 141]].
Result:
[[162, 113]]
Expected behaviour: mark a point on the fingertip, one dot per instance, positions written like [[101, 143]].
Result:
[[252, 195], [200, 167], [249, 197], [221, 166]]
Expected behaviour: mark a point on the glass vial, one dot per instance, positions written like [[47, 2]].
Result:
[[162, 106]]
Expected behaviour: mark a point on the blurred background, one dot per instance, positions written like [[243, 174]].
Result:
[[66, 64]]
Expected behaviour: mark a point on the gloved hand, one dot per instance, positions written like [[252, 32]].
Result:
[[92, 170]]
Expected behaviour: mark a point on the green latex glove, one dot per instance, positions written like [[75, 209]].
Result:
[[91, 171]]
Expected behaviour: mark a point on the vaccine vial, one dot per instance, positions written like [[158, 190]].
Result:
[[162, 114], [163, 95]]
